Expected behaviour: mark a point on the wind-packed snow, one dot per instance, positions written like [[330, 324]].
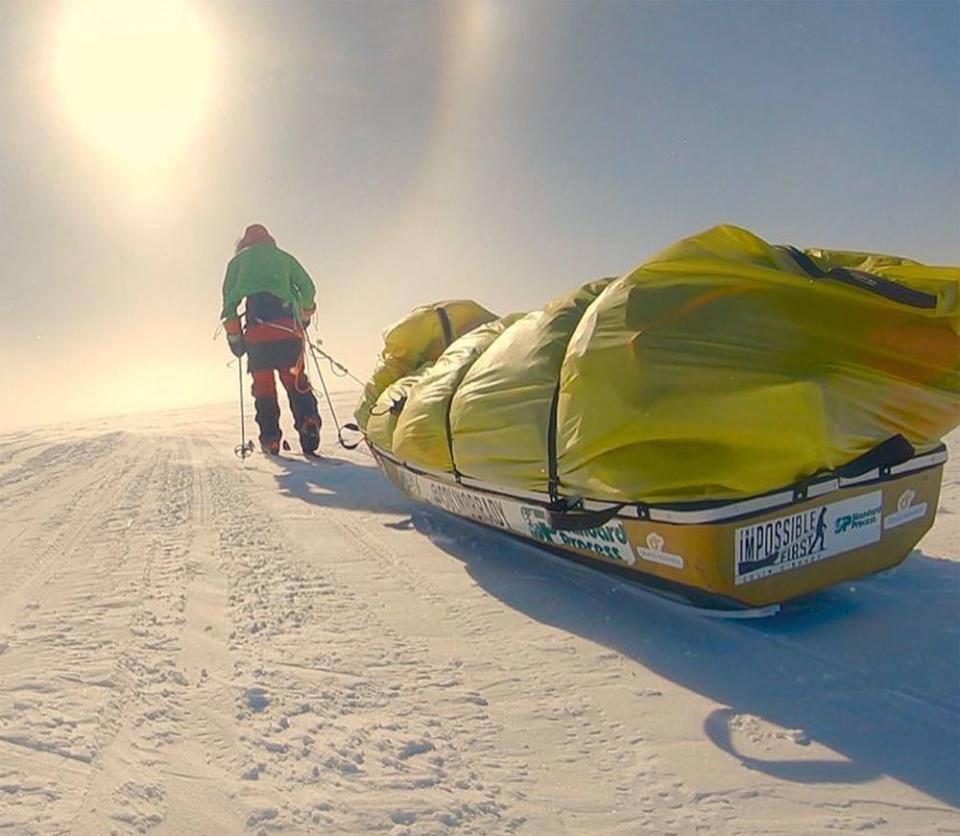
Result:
[[191, 644]]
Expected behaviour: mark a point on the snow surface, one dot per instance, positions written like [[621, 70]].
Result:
[[194, 644]]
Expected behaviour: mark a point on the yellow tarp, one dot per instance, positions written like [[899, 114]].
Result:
[[514, 384], [384, 412], [421, 436], [723, 367], [422, 335]]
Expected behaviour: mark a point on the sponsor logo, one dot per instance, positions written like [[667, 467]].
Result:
[[655, 554], [609, 540], [483, 509], [906, 510], [794, 540], [860, 519]]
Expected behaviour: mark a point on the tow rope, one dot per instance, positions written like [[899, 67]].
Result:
[[314, 351]]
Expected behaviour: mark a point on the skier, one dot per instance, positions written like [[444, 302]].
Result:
[[280, 302]]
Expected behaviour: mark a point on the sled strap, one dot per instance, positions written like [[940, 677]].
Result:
[[354, 429], [565, 515], [878, 285], [448, 431], [445, 324], [553, 478], [895, 450]]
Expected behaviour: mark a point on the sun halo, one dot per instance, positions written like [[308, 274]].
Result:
[[135, 77]]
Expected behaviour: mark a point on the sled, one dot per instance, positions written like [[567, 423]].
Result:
[[748, 554], [738, 420]]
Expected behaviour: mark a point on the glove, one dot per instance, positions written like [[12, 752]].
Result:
[[305, 316], [234, 330], [238, 345]]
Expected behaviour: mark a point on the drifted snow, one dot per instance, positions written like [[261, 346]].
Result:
[[194, 644]]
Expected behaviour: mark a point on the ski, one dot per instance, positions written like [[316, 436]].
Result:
[[290, 456], [684, 605]]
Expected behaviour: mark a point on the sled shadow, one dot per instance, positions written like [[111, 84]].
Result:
[[868, 669]]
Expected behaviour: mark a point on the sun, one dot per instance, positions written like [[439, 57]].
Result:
[[135, 77]]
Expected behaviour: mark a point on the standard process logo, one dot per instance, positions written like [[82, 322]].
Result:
[[793, 540], [608, 540]]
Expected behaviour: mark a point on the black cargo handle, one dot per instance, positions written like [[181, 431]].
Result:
[[895, 450], [569, 515], [878, 285]]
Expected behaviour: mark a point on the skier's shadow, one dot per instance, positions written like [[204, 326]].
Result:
[[857, 669], [339, 483]]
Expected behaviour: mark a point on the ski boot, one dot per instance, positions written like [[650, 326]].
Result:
[[270, 446], [310, 436], [268, 419]]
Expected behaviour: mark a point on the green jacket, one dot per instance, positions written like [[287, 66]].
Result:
[[265, 268]]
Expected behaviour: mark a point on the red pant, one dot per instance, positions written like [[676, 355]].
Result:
[[265, 385], [303, 405]]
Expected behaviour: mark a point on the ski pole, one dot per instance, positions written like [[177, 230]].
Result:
[[326, 393], [244, 449]]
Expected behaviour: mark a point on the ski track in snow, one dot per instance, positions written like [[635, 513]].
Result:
[[194, 644]]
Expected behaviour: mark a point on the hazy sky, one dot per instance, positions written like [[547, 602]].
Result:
[[407, 152]]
